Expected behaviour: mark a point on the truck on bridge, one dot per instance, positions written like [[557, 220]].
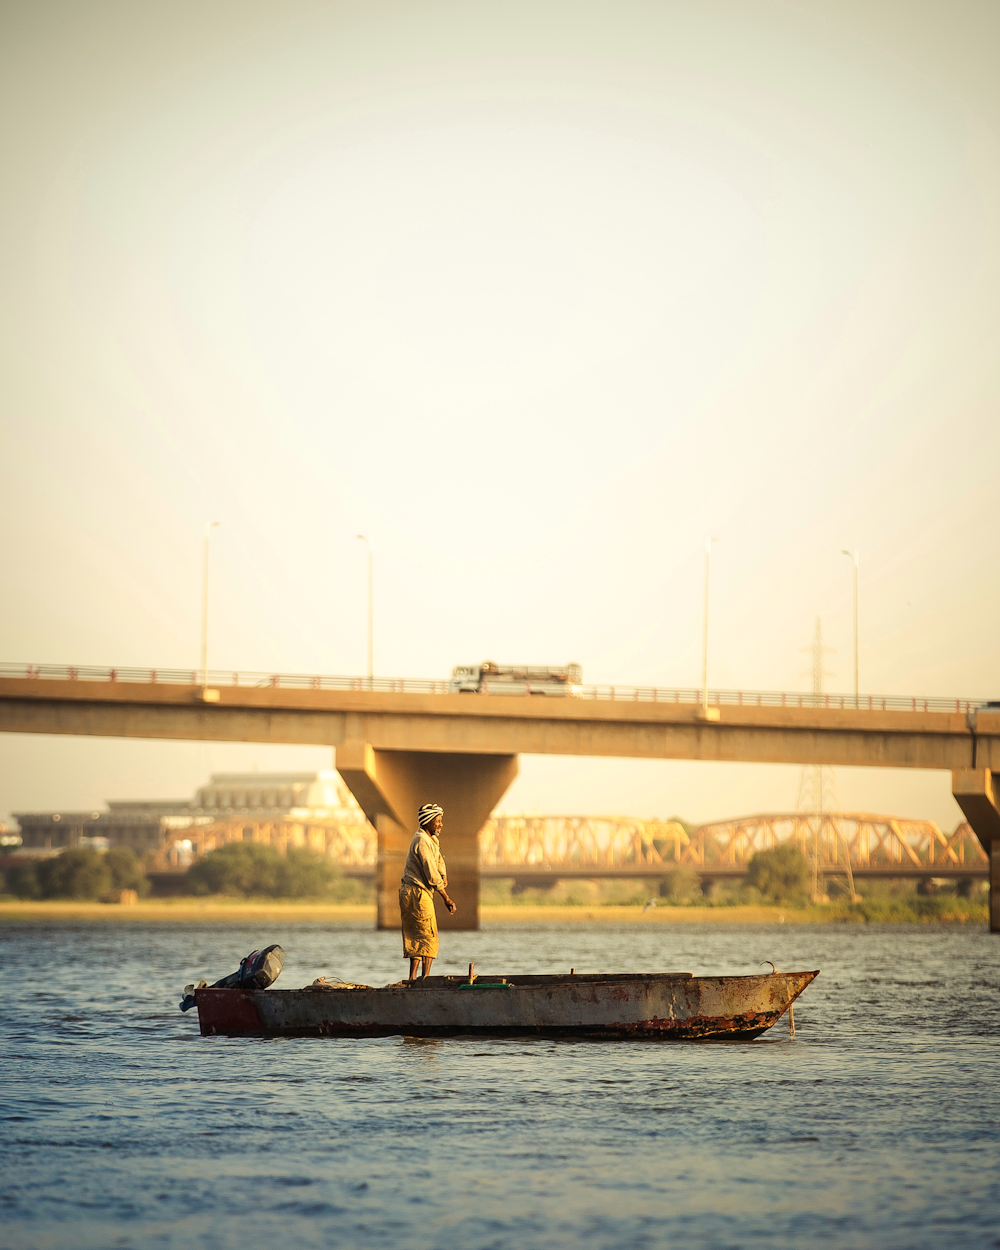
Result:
[[491, 678]]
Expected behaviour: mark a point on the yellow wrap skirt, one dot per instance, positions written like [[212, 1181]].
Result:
[[420, 930]]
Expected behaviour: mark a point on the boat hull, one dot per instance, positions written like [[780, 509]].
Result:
[[667, 1007]]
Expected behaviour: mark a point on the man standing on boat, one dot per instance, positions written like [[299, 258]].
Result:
[[424, 873]]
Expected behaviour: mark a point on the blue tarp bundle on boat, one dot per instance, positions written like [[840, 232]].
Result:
[[256, 972]]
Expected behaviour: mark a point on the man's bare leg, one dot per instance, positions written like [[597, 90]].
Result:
[[428, 960], [414, 964]]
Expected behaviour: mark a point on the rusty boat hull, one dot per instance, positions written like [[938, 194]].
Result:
[[665, 1006]]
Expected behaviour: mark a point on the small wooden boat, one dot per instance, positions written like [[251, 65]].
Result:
[[666, 1005]]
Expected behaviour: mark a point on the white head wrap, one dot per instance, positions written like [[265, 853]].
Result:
[[428, 813]]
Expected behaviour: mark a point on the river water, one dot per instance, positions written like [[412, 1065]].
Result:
[[878, 1125]]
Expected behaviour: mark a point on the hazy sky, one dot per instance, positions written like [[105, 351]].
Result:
[[539, 294]]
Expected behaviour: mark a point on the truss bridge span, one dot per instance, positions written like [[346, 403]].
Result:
[[542, 849], [584, 846], [352, 845], [868, 845]]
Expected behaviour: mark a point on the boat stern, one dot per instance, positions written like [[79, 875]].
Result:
[[232, 1013]]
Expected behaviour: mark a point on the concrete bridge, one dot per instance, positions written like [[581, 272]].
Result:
[[400, 742]]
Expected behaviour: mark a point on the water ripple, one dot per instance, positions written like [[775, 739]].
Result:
[[877, 1125]]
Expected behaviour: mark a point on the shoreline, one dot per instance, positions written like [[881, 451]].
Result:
[[214, 910]]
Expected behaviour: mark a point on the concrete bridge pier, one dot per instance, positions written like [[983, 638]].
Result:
[[390, 786], [976, 791]]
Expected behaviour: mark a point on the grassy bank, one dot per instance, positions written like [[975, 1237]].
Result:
[[184, 909], [940, 910], [534, 913], [908, 909]]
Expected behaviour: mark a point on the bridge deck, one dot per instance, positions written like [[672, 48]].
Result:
[[918, 734]]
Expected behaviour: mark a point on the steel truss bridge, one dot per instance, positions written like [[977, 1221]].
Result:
[[543, 849]]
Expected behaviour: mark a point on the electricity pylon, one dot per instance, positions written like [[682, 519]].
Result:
[[818, 784]]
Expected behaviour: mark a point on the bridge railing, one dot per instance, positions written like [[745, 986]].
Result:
[[408, 685], [222, 677]]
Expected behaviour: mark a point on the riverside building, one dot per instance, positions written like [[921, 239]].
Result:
[[144, 824]]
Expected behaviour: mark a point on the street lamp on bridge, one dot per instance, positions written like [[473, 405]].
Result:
[[853, 555], [704, 650], [371, 637], [209, 526]]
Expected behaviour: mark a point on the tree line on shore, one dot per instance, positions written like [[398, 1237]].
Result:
[[78, 874], [244, 869]]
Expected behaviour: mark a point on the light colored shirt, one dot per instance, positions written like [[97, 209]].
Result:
[[425, 863]]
